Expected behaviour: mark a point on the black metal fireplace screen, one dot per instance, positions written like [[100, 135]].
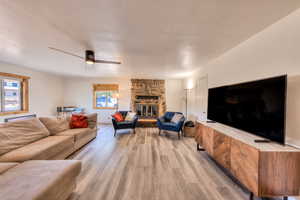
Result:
[[146, 110]]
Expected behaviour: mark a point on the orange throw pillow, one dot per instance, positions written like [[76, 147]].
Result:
[[118, 116], [79, 121]]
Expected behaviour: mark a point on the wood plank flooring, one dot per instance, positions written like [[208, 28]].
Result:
[[145, 166]]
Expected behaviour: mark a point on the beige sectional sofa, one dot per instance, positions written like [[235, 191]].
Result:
[[38, 180], [42, 139], [31, 157]]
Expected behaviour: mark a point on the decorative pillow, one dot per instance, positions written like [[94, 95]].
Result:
[[118, 116], [79, 121], [176, 118], [130, 116], [55, 125], [92, 120], [16, 134]]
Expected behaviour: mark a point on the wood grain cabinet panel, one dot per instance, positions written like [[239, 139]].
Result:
[[244, 165], [208, 140], [222, 146], [283, 168], [198, 135]]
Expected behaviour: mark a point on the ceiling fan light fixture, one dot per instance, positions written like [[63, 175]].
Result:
[[89, 62], [89, 57]]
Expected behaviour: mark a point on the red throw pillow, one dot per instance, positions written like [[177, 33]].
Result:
[[118, 116], [79, 121]]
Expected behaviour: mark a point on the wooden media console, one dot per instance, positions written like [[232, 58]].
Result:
[[265, 169]]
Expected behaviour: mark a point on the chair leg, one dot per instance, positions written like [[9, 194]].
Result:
[[179, 135], [251, 196], [115, 133], [159, 132], [134, 131]]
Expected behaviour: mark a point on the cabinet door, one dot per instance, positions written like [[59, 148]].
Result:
[[279, 173], [208, 139], [244, 165], [222, 146], [198, 135]]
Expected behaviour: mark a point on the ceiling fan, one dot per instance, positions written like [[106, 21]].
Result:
[[89, 57]]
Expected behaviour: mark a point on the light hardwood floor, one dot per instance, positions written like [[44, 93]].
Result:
[[145, 166]]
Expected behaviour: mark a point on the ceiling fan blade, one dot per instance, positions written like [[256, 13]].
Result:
[[65, 52], [107, 62]]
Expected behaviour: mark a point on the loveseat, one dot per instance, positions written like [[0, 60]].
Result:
[[124, 124], [31, 157], [165, 123]]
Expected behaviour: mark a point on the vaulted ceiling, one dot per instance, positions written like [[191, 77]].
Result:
[[167, 38]]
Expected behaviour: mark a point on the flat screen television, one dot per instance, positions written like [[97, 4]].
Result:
[[257, 107]]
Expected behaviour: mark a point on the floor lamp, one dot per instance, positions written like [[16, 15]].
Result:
[[186, 102]]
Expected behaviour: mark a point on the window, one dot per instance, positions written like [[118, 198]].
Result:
[[13, 94], [106, 96]]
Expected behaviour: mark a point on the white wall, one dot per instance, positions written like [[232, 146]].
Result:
[[45, 90], [274, 51], [197, 96], [79, 92], [174, 95]]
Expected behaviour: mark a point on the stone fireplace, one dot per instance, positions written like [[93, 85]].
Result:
[[148, 97]]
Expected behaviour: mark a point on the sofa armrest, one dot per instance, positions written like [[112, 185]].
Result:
[[160, 122], [181, 122], [135, 120], [114, 122], [161, 119]]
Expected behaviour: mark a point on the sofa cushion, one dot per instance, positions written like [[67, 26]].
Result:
[[125, 124], [16, 134], [79, 121], [170, 126], [176, 118], [76, 133], [92, 120], [40, 180], [130, 116], [168, 116], [44, 149], [55, 125], [6, 166], [86, 138], [118, 117]]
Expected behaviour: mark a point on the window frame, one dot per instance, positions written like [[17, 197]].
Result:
[[105, 88], [24, 93]]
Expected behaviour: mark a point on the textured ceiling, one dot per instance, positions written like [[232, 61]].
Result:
[[168, 38]]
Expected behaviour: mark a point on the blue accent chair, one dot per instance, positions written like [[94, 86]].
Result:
[[164, 123], [124, 124]]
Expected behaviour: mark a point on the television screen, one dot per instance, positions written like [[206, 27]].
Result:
[[257, 107]]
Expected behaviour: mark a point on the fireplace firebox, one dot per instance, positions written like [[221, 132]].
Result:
[[145, 110]]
